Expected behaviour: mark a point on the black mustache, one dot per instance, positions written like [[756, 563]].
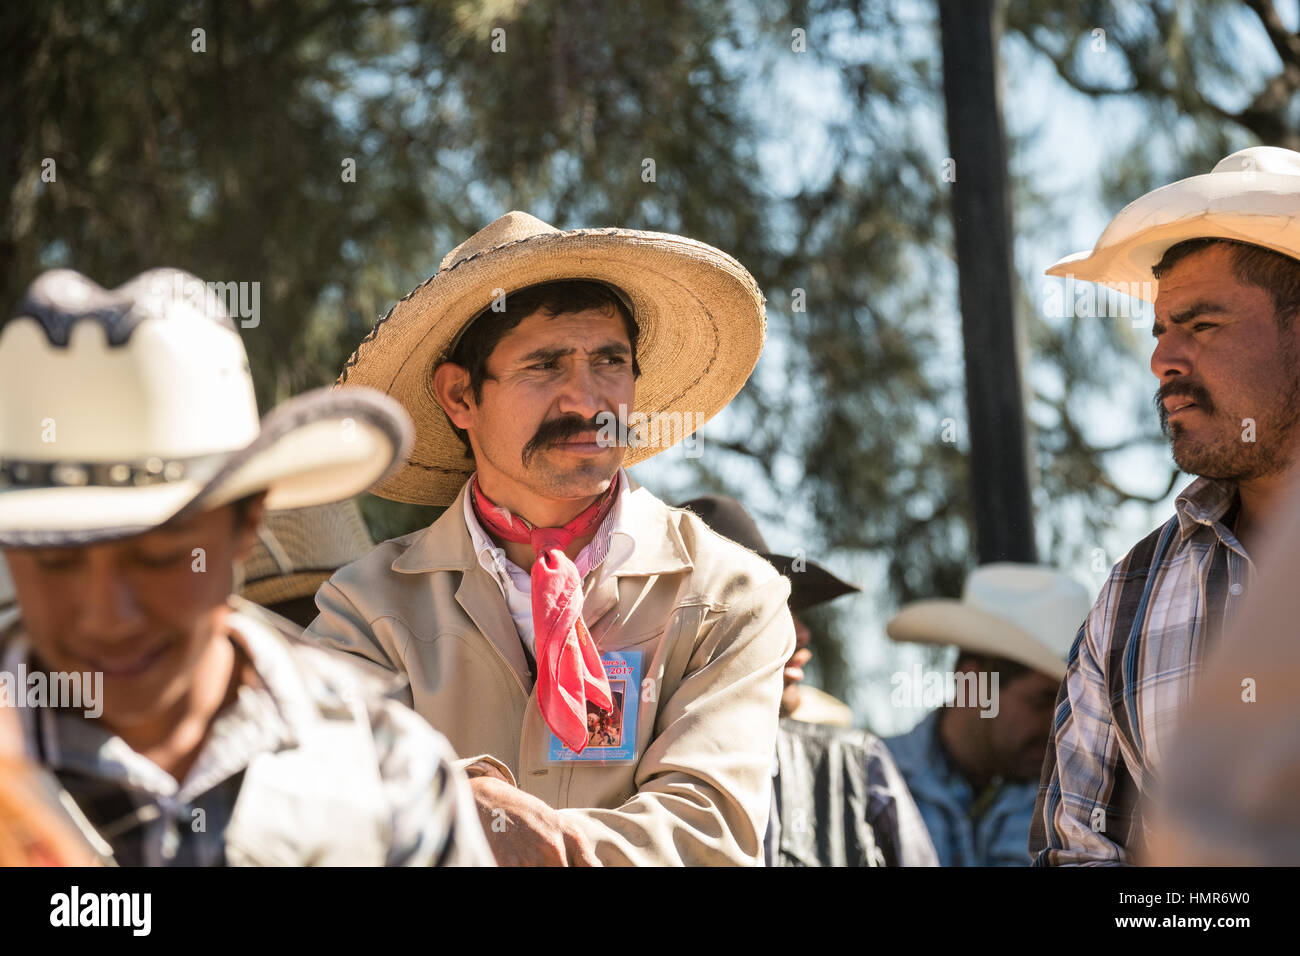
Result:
[[1192, 390], [558, 430]]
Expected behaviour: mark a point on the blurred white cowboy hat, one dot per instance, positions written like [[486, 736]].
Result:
[[1252, 196], [1022, 612], [700, 315], [122, 409]]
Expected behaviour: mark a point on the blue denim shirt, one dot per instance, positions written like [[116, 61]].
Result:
[[999, 836]]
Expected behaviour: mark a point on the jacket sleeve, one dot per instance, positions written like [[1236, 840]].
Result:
[[341, 626], [1081, 796], [704, 783], [898, 824]]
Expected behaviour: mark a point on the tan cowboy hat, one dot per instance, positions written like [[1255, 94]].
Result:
[[1023, 612], [700, 315], [1252, 196], [298, 550], [122, 409]]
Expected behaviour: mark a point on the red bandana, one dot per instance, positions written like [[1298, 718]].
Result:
[[569, 671]]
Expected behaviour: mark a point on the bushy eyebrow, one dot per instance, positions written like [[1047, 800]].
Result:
[[544, 354], [1183, 316]]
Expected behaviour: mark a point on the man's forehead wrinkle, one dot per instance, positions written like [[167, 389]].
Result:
[[560, 351], [1179, 309]]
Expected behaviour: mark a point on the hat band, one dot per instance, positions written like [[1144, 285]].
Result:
[[16, 473]]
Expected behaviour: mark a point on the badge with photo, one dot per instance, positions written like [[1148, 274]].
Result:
[[611, 735]]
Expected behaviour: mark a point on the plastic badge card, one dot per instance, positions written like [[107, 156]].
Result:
[[611, 736]]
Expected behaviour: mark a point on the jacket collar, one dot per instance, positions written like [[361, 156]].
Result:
[[446, 545]]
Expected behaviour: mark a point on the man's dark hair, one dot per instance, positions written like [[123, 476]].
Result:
[[564, 297], [1275, 273], [240, 507]]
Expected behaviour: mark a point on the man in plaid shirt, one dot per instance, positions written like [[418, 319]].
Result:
[[1224, 249]]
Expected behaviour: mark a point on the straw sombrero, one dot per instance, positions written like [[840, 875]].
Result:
[[700, 315], [298, 550], [1252, 196], [123, 409], [1022, 612]]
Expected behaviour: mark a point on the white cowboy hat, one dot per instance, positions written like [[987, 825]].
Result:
[[1252, 196], [1023, 612], [122, 409], [700, 315]]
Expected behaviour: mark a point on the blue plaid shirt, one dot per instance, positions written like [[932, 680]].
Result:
[[968, 829], [1130, 672]]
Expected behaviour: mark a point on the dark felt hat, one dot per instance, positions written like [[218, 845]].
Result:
[[810, 583]]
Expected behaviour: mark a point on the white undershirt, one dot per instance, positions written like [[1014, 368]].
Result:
[[607, 551]]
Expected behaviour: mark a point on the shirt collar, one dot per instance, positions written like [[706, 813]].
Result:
[[265, 717], [1205, 503]]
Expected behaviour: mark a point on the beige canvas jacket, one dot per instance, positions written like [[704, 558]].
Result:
[[710, 619]]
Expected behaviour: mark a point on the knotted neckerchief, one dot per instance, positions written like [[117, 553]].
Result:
[[569, 671]]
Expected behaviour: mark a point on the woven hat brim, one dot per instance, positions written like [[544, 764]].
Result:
[[945, 621], [1257, 208], [319, 447], [285, 587], [700, 313]]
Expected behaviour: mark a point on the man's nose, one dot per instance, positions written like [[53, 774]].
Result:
[[109, 608], [1171, 356], [579, 394]]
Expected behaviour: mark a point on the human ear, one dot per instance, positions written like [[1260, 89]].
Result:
[[452, 389], [246, 529]]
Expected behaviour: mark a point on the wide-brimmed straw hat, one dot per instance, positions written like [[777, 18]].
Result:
[[298, 550], [1252, 196], [1021, 612], [122, 409], [700, 314]]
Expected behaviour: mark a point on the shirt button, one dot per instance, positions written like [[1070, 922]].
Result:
[[1236, 588]]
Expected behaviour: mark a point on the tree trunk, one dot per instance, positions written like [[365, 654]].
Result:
[[1004, 529]]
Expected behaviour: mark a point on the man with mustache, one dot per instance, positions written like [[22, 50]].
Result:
[[1223, 248], [553, 586]]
